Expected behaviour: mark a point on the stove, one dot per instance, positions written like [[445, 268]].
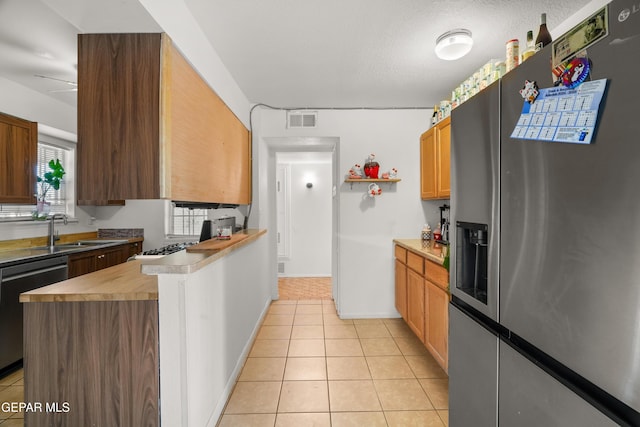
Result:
[[169, 249]]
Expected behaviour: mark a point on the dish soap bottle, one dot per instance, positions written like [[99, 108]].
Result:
[[426, 232]]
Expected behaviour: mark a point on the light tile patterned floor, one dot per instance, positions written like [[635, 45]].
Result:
[[303, 288], [308, 367], [12, 390]]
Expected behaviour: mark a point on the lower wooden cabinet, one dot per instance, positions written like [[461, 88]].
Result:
[[415, 303], [90, 261], [401, 288], [436, 302], [423, 301]]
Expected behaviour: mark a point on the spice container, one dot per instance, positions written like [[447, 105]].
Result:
[[513, 54]]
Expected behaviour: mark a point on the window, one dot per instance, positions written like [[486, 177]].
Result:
[[187, 221], [58, 199], [61, 200]]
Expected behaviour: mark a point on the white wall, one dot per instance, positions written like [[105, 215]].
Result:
[[310, 216], [367, 225]]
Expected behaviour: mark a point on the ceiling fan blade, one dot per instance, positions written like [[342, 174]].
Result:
[[63, 90], [54, 78]]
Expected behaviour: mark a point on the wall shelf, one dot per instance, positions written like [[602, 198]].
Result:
[[369, 180]]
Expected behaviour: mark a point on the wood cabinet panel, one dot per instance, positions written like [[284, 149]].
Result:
[[428, 173], [101, 358], [18, 157], [150, 127], [436, 274], [401, 288], [415, 303], [437, 323], [415, 262], [90, 261], [444, 159], [400, 254], [435, 161], [118, 117], [205, 122]]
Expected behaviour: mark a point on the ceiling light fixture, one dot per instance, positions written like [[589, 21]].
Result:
[[454, 44]]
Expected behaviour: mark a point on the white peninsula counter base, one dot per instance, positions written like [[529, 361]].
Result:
[[210, 309]]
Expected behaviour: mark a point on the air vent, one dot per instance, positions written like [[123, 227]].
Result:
[[280, 267], [302, 119]]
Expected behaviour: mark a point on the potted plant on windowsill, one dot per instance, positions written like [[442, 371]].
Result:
[[50, 180]]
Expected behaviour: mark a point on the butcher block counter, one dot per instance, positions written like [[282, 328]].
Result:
[[426, 248], [93, 343]]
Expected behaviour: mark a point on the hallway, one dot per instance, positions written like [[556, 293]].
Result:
[[308, 367]]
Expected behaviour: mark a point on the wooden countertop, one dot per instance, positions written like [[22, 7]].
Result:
[[185, 262], [133, 280], [122, 282], [429, 249]]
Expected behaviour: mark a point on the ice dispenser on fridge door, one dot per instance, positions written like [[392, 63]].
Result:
[[472, 244]]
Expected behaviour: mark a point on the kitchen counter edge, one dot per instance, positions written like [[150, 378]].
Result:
[[185, 262], [134, 280], [429, 249]]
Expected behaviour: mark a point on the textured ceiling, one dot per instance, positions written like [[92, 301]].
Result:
[[290, 53]]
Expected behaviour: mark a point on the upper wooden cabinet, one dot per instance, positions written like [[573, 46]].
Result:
[[150, 127], [18, 157], [435, 161]]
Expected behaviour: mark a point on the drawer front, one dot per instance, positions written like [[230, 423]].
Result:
[[401, 254], [436, 274], [415, 262]]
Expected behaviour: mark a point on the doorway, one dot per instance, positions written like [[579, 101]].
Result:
[[304, 216]]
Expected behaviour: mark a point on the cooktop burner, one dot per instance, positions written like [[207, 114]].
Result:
[[169, 249]]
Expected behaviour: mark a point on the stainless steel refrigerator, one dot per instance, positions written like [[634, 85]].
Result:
[[545, 276]]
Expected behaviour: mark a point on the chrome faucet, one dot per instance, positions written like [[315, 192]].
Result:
[[52, 236]]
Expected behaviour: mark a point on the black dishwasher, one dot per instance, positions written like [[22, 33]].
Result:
[[15, 280]]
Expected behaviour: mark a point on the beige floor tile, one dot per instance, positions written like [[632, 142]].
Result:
[[333, 319], [372, 331], [278, 319], [389, 367], [269, 332], [310, 302], [263, 369], [402, 395], [411, 346], [425, 367], [308, 319], [399, 330], [438, 391], [14, 393], [353, 396], [254, 398], [413, 418], [328, 302], [308, 309], [306, 348], [343, 347], [307, 332], [444, 416], [247, 420], [282, 309], [285, 302], [12, 378], [358, 419], [368, 322], [329, 309], [379, 347], [347, 368], [340, 331], [304, 396], [305, 369], [13, 422], [269, 348], [321, 419]]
